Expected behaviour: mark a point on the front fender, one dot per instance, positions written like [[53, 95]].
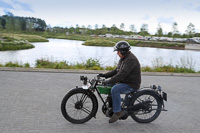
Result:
[[92, 96]]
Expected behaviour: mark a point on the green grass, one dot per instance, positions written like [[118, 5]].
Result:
[[109, 42], [186, 65], [93, 64], [99, 42], [168, 68], [156, 44], [15, 64], [9, 44], [90, 64], [70, 37], [9, 41], [29, 38]]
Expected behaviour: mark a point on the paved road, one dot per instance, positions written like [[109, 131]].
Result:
[[30, 103]]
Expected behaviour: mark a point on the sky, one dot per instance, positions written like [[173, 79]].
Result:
[[67, 13]]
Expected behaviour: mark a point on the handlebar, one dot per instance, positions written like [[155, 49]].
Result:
[[95, 80]]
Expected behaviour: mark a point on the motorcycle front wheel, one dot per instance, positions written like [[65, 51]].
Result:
[[148, 106], [79, 106]]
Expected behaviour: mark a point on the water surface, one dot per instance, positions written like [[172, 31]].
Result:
[[73, 51]]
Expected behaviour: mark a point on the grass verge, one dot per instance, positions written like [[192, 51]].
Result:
[[93, 64]]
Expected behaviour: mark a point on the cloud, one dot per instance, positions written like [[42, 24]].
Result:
[[22, 6], [146, 17], [15, 5], [5, 5], [165, 1], [188, 6], [197, 9], [168, 20], [192, 7]]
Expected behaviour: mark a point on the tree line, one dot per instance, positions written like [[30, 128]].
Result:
[[11, 23]]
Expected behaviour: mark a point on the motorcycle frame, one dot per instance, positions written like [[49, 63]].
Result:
[[92, 88]]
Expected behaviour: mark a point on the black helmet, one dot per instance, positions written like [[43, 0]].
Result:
[[122, 46]]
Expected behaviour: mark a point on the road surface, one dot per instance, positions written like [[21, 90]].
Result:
[[30, 103]]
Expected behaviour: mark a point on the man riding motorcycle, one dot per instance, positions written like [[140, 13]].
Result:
[[126, 77]]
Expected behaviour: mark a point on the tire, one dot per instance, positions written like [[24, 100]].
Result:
[[150, 111], [79, 106]]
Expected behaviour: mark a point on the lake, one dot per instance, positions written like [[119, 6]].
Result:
[[73, 51]]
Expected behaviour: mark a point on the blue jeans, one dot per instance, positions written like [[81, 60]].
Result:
[[115, 93]]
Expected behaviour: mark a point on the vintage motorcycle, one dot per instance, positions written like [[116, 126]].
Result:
[[80, 104]]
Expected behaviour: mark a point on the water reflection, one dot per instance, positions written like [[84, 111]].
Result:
[[73, 51]]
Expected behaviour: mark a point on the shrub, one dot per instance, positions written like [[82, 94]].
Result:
[[94, 64], [146, 69], [61, 65], [44, 63], [26, 65], [11, 64], [110, 67], [91, 64]]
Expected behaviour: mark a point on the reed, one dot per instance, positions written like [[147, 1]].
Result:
[[90, 64], [94, 64], [186, 65], [15, 64]]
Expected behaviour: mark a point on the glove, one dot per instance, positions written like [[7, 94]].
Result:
[[101, 75]]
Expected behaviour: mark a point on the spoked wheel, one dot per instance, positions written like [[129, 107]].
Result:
[[147, 107], [79, 106]]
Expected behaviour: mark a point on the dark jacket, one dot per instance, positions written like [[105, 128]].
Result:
[[127, 71]]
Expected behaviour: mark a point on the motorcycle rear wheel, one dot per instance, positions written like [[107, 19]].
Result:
[[79, 106], [151, 107]]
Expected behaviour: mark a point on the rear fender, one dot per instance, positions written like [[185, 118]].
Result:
[[162, 96], [151, 91]]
